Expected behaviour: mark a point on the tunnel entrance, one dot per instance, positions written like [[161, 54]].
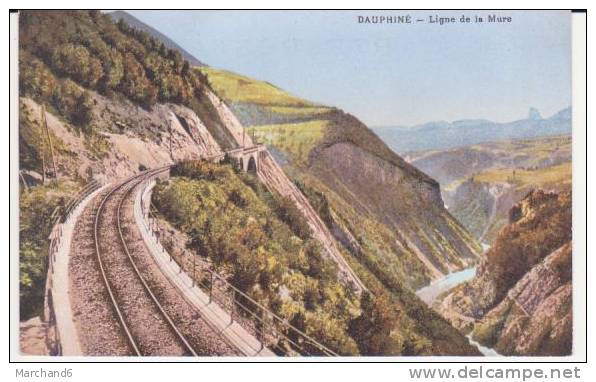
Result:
[[252, 165]]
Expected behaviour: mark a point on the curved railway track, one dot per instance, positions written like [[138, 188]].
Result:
[[148, 328], [123, 303]]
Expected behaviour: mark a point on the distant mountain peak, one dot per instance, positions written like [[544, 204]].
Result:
[[534, 114], [168, 42], [563, 114]]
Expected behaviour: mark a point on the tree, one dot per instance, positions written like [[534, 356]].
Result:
[[135, 84], [318, 267], [95, 14], [82, 115], [290, 214], [114, 70], [123, 26], [185, 68], [76, 62], [372, 329], [35, 78]]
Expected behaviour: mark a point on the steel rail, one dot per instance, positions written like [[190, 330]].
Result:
[[131, 183], [130, 339], [138, 273]]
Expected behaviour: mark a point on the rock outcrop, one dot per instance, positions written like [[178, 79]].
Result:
[[129, 138], [520, 300]]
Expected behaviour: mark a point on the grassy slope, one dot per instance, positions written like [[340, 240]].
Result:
[[295, 140], [259, 102], [537, 149], [312, 118], [237, 88]]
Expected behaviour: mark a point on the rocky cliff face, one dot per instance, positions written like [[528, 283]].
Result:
[[520, 300], [535, 318], [380, 185], [482, 207], [129, 138], [410, 205]]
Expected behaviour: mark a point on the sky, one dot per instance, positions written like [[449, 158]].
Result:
[[390, 74]]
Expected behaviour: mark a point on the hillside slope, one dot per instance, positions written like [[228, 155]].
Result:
[[116, 102], [387, 214]]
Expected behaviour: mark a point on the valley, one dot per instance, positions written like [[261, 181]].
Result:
[[501, 191], [480, 183]]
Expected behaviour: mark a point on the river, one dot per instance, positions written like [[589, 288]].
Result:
[[429, 293]]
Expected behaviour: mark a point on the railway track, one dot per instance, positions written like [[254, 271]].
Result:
[[122, 302], [143, 320]]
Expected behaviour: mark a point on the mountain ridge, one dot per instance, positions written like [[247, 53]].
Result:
[[168, 42], [448, 135], [370, 175]]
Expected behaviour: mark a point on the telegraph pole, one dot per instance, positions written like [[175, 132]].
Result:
[[171, 152], [45, 124]]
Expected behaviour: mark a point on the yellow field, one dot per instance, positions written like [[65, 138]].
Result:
[[297, 111], [236, 88], [294, 139], [560, 174]]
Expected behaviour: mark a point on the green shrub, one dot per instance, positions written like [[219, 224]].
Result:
[[36, 207], [289, 213], [240, 232]]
